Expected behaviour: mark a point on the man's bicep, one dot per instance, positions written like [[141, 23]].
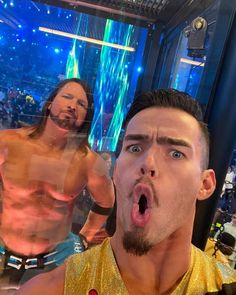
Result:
[[101, 190]]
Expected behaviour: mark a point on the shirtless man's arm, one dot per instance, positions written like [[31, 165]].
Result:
[[100, 187], [3, 154], [51, 283]]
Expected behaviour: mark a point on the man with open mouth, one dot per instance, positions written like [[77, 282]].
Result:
[[161, 171]]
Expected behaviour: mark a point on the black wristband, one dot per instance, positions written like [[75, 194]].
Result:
[[84, 241], [101, 210]]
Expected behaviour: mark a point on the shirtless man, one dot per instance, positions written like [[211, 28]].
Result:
[[43, 169], [161, 172]]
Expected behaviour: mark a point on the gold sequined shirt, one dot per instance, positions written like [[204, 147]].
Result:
[[95, 272]]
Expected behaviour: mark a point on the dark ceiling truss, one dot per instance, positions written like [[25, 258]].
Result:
[[140, 12], [148, 8]]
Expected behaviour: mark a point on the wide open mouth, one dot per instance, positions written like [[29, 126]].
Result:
[[143, 204]]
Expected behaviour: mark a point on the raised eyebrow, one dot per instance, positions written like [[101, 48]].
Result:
[[173, 141], [138, 137]]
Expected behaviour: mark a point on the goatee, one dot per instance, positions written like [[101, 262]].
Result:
[[67, 124], [135, 243]]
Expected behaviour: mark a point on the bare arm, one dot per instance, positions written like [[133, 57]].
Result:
[[51, 283], [100, 186], [3, 155]]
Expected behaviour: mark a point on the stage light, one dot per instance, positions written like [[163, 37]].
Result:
[[56, 50], [192, 62], [86, 39], [139, 69]]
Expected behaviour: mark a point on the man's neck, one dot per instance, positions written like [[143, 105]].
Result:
[[157, 272], [53, 136]]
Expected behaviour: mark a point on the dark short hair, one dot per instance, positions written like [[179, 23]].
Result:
[[84, 128], [171, 98]]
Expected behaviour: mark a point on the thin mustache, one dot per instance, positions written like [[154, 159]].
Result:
[[145, 180], [72, 112]]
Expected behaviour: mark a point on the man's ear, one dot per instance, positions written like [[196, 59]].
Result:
[[208, 184]]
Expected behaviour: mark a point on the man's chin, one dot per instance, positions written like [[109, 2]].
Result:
[[64, 124], [134, 242]]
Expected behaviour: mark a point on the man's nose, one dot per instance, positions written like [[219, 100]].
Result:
[[148, 166], [72, 107]]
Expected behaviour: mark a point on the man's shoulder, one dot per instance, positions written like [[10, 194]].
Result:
[[96, 255], [47, 283], [207, 276], [94, 269], [13, 134], [211, 270]]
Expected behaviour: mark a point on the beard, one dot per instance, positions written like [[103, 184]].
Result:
[[67, 123], [134, 242]]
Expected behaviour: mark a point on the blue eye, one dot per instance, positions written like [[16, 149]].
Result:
[[134, 148], [176, 154]]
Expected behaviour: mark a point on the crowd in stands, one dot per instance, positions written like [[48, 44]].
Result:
[[18, 108], [223, 230]]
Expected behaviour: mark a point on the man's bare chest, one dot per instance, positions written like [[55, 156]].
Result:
[[51, 172]]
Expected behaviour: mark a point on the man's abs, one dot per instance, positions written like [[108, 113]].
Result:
[[33, 230]]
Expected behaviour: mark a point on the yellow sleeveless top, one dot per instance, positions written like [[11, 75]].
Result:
[[95, 272]]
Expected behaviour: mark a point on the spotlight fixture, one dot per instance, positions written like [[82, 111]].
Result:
[[196, 34]]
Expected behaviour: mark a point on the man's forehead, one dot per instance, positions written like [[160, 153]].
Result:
[[73, 86], [155, 117], [165, 125]]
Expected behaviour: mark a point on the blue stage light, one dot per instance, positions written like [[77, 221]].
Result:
[[139, 69], [56, 50], [20, 26]]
